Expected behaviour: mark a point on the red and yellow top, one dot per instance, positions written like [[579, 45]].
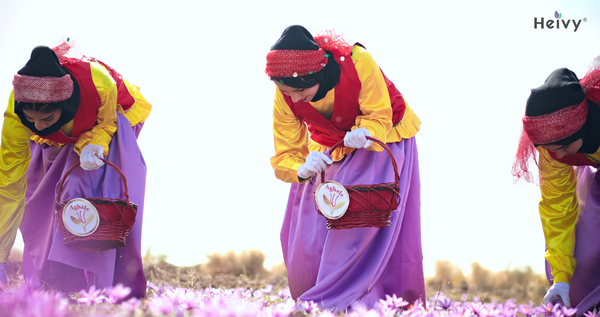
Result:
[[292, 141], [96, 127]]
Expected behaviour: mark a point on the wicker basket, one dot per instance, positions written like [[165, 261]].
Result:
[[369, 205], [115, 218]]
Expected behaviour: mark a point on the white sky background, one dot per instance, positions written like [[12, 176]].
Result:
[[465, 67]]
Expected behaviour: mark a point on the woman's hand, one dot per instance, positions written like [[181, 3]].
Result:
[[559, 291], [358, 139], [91, 156], [316, 162]]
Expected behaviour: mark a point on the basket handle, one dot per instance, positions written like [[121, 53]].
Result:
[[62, 181], [396, 176]]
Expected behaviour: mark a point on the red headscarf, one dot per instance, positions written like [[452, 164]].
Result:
[[555, 114]]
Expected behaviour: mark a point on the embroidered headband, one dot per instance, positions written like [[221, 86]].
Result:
[[555, 126], [294, 63], [42, 89]]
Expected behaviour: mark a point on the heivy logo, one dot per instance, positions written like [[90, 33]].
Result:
[[558, 23]]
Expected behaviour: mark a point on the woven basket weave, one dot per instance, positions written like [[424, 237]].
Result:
[[117, 217], [370, 205]]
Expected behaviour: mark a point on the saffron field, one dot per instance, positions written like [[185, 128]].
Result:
[[237, 285]]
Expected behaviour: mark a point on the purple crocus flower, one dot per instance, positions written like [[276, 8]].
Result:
[[159, 291], [511, 303], [361, 310], [445, 303], [568, 311], [116, 293], [461, 310], [132, 305], [189, 300], [267, 289], [394, 302], [92, 296], [161, 304], [36, 303], [310, 307], [415, 309], [176, 295], [285, 293], [475, 307], [151, 286], [556, 310], [593, 313], [278, 310], [506, 310], [387, 312], [489, 311], [525, 310]]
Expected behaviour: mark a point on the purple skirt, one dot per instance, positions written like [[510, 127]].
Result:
[[337, 268], [46, 261]]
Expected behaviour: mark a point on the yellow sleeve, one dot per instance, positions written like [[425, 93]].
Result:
[[106, 123], [141, 108], [291, 141], [374, 98], [559, 210], [14, 161], [407, 128]]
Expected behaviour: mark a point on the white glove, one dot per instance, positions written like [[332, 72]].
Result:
[[316, 162], [558, 291], [358, 139], [90, 157]]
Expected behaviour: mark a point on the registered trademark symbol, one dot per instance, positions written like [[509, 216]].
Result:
[[584, 19]]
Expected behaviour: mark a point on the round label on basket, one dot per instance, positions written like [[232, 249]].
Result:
[[80, 217], [332, 199]]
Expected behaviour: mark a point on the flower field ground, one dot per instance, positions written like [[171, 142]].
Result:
[[238, 285]]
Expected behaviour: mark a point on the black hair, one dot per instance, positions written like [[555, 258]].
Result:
[[302, 82], [41, 107]]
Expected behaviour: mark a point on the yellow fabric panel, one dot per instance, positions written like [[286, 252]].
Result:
[[14, 160], [67, 129], [40, 140], [291, 146], [325, 105], [377, 119], [141, 108], [374, 98], [106, 122], [406, 128], [559, 209]]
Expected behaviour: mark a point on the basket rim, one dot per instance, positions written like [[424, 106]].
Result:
[[385, 147], [64, 178]]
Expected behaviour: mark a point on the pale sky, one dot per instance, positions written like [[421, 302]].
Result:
[[465, 67]]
